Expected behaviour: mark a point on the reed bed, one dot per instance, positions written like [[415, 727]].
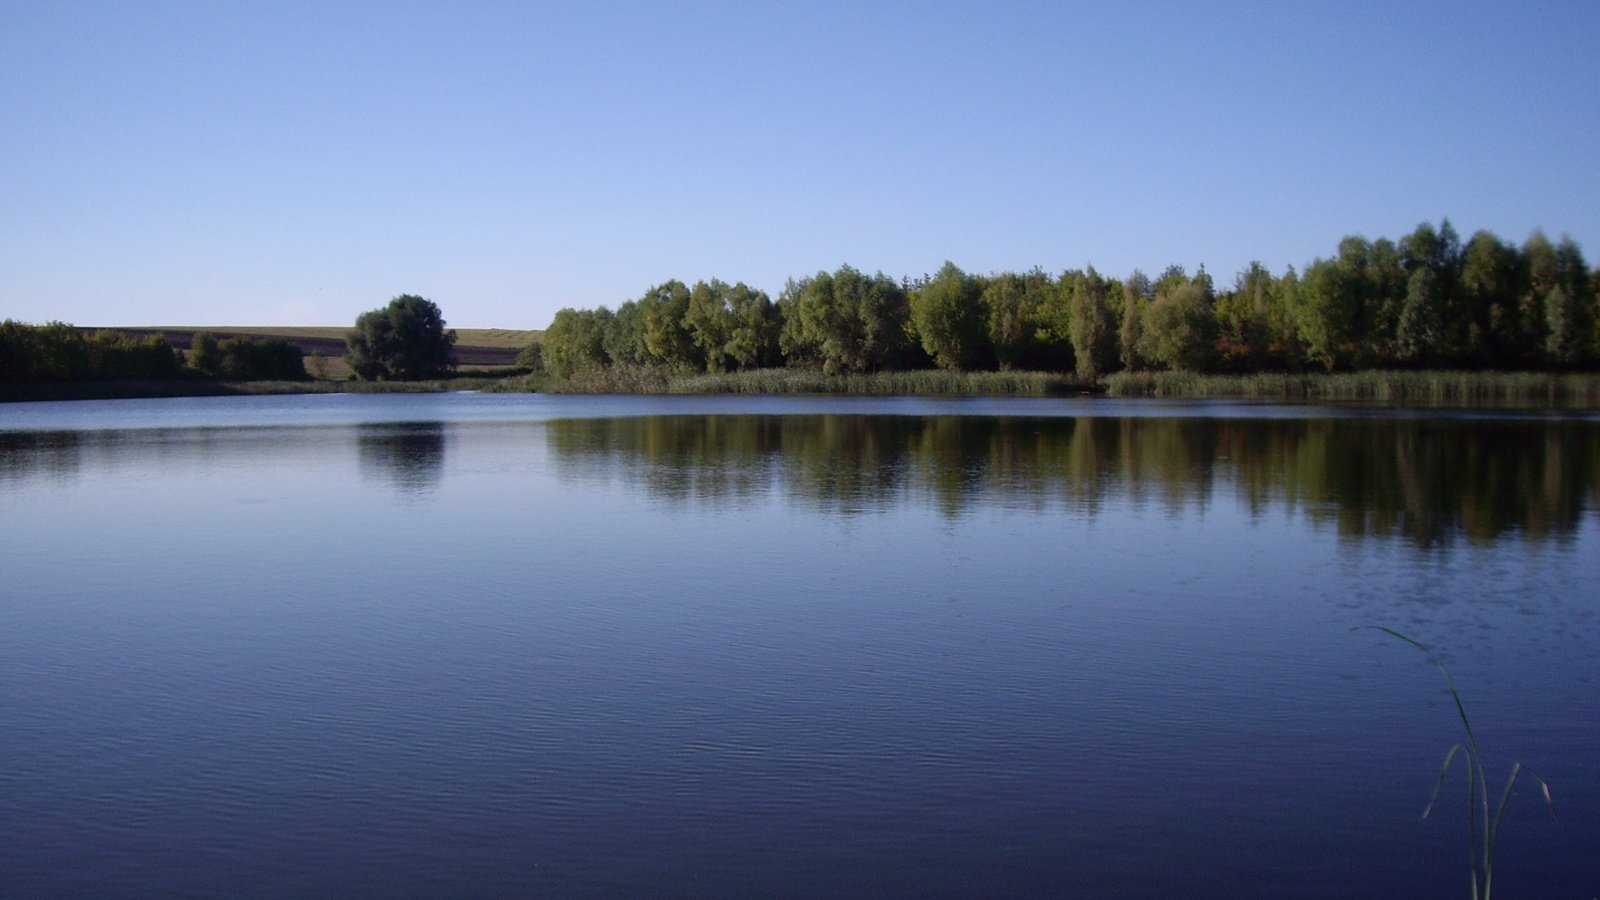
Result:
[[1433, 388], [637, 380], [1440, 389]]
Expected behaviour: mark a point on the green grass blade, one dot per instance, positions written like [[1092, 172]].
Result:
[[1455, 695], [1392, 633], [1484, 812], [1438, 783], [1492, 828]]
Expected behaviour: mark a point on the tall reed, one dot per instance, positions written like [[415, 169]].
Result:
[[1483, 825]]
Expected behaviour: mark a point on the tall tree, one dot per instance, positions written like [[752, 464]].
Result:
[[948, 317], [667, 336], [1491, 282], [710, 322], [1244, 318], [1439, 251], [1179, 328], [754, 329], [1578, 284], [1384, 286], [845, 321], [1094, 342], [624, 338], [405, 340], [1137, 293], [204, 354], [1015, 306], [1563, 334], [575, 341], [1331, 305], [1420, 328]]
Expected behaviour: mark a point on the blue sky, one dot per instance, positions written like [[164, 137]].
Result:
[[221, 163]]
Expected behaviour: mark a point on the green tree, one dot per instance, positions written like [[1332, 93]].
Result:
[[1491, 283], [243, 358], [575, 341], [115, 354], [845, 321], [754, 325], [405, 340], [1019, 331], [1137, 293], [61, 353], [1542, 273], [1285, 347], [1439, 251], [947, 314], [17, 348], [1418, 333], [1328, 311], [204, 355], [1578, 284], [1559, 295], [1383, 288], [532, 357], [624, 338], [709, 320], [1245, 319], [1563, 335], [1094, 341], [667, 335], [1179, 328]]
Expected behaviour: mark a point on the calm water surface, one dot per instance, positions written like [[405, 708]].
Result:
[[455, 645]]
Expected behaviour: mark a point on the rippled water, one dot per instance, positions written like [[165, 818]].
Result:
[[476, 645]]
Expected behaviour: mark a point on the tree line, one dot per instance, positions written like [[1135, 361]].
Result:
[[58, 352], [1425, 301], [404, 340]]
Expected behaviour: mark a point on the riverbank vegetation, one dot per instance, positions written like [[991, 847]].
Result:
[[1426, 318], [57, 361], [1426, 303]]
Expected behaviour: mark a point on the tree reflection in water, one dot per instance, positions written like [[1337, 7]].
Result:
[[1429, 480], [410, 455]]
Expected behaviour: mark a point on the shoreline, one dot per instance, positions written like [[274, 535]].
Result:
[[1445, 389]]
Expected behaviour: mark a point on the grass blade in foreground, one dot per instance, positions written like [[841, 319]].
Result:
[[1483, 827]]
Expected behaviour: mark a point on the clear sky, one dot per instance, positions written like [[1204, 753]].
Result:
[[283, 163]]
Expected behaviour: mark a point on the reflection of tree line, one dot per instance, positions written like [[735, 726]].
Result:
[[410, 456], [1426, 479], [27, 455]]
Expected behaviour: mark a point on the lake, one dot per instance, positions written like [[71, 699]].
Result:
[[473, 645]]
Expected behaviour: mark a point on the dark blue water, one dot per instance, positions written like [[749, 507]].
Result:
[[480, 645]]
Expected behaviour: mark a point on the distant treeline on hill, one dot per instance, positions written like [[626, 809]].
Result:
[[1425, 301], [57, 352]]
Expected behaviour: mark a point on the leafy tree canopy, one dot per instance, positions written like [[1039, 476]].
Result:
[[405, 340]]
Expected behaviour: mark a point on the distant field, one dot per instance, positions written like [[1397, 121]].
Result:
[[476, 348]]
